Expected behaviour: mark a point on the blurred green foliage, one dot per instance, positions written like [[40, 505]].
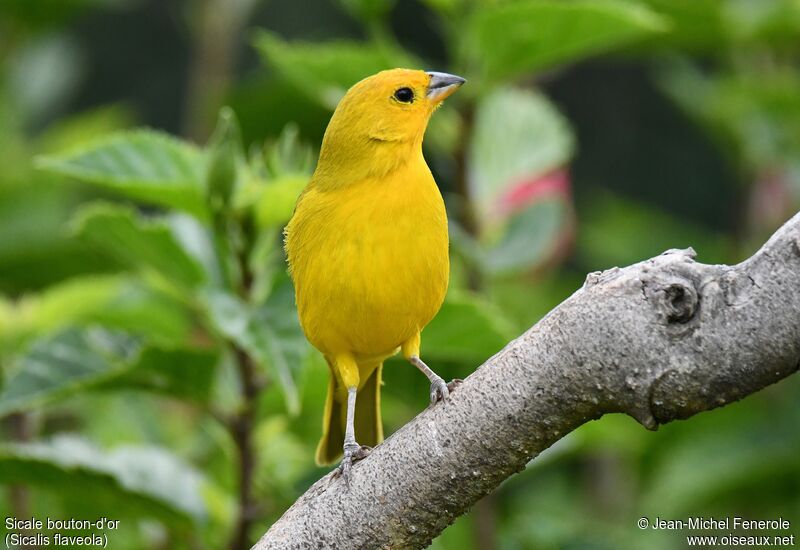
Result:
[[138, 267]]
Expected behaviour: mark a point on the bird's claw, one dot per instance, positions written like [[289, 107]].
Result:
[[441, 390], [353, 452], [454, 383]]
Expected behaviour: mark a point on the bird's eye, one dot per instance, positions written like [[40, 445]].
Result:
[[405, 95]]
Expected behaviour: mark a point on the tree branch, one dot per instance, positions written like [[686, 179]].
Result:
[[660, 340]]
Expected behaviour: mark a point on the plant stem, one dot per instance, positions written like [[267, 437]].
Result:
[[22, 430], [215, 33], [243, 423], [242, 432], [466, 212], [485, 522]]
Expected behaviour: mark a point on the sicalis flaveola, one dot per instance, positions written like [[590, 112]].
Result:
[[368, 249]]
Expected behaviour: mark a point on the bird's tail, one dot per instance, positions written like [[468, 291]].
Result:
[[368, 425]]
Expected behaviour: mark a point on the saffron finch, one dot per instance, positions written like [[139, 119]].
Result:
[[368, 250]]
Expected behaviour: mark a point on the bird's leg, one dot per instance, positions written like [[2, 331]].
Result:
[[440, 390], [352, 450]]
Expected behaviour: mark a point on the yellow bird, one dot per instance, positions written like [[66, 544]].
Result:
[[368, 249]]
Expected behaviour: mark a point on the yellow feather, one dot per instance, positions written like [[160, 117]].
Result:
[[368, 244]]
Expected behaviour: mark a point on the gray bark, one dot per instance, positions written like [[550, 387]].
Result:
[[660, 340]]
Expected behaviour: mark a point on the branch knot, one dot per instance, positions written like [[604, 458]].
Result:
[[680, 302], [675, 299]]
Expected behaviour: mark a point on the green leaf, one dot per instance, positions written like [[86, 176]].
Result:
[[270, 334], [368, 10], [60, 305], [519, 141], [445, 7], [64, 364], [289, 155], [136, 481], [512, 39], [182, 373], [755, 113], [717, 28], [143, 164], [325, 71], [277, 200], [531, 236], [74, 361], [745, 452], [526, 301], [696, 25], [277, 179], [518, 135], [617, 231], [225, 151], [111, 300], [34, 248], [283, 457], [138, 243], [196, 240], [144, 311], [466, 329], [84, 127], [285, 343]]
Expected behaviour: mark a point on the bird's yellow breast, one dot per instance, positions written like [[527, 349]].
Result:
[[369, 261]]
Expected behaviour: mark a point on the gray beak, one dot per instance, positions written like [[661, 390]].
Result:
[[442, 85]]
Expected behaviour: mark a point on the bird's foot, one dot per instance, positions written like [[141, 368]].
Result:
[[353, 452], [440, 390]]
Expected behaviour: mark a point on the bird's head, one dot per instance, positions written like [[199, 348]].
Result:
[[385, 114]]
